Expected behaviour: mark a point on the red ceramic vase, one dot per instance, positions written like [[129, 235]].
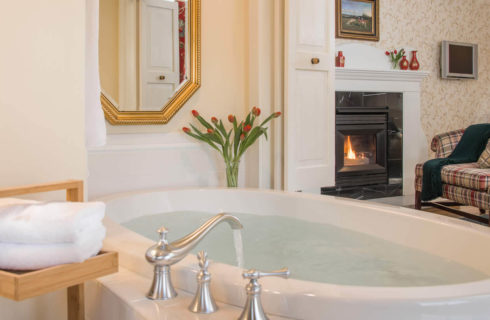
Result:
[[404, 63], [340, 60], [414, 63]]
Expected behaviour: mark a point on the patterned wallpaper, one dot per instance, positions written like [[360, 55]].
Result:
[[423, 24]]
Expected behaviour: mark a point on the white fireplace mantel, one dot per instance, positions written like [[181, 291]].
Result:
[[369, 70], [379, 80], [380, 75]]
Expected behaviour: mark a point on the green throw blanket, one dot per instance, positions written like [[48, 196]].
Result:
[[468, 149]]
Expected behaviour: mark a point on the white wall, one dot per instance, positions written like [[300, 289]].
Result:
[[42, 76]]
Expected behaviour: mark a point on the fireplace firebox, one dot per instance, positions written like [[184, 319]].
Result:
[[360, 147], [368, 145]]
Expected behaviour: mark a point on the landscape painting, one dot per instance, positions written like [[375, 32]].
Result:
[[358, 19]]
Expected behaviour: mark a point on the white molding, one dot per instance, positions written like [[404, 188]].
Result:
[[380, 75], [156, 146], [143, 161], [138, 141]]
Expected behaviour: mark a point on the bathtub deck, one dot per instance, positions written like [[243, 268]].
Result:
[[123, 294]]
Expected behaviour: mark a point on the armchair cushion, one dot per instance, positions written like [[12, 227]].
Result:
[[466, 175], [484, 160]]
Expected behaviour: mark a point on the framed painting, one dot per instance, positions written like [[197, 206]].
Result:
[[357, 19]]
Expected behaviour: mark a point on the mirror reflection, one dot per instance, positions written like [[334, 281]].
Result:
[[143, 52]]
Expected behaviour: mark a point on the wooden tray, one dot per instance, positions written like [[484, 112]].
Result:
[[22, 285]]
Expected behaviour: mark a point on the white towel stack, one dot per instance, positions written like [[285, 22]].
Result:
[[36, 235]]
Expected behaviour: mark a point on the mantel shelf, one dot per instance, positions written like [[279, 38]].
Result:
[[380, 75]]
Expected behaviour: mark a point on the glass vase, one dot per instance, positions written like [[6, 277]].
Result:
[[232, 173]]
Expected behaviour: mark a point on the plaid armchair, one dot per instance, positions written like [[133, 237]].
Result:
[[464, 183]]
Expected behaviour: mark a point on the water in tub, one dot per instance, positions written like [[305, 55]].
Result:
[[312, 251]]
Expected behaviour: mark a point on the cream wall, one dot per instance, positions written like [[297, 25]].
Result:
[[224, 56], [42, 74], [422, 24]]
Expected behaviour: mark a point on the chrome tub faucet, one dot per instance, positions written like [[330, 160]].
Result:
[[163, 254]]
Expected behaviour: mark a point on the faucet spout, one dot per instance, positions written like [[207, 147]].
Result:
[[163, 254], [184, 245]]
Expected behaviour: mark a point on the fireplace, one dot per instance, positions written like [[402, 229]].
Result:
[[368, 145], [368, 81]]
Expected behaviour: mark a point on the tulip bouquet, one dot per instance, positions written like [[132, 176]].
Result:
[[232, 143], [395, 56]]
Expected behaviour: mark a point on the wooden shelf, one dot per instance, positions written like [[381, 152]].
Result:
[[22, 285], [27, 284]]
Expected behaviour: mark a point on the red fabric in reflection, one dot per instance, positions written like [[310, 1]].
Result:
[[182, 5]]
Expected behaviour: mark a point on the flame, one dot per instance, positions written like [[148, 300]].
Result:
[[350, 153]]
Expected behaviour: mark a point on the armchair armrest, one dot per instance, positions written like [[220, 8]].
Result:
[[444, 143]]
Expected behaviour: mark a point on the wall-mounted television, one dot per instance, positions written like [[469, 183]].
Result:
[[459, 60]]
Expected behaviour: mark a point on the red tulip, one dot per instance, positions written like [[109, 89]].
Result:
[[195, 113], [242, 137], [247, 128], [277, 114], [256, 111], [214, 120], [210, 130], [395, 51], [186, 130], [387, 53], [231, 118]]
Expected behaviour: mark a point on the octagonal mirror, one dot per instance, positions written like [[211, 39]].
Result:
[[149, 58]]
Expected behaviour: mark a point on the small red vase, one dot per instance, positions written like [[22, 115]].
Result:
[[404, 63], [340, 60], [414, 63]]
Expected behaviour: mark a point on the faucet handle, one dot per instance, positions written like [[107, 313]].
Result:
[[254, 274], [203, 300], [202, 257], [163, 234], [253, 307]]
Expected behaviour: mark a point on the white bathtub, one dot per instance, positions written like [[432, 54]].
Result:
[[462, 242]]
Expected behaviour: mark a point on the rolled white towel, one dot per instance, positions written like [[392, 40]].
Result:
[[32, 222], [36, 256]]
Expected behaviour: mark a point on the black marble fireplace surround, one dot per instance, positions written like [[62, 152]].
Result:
[[368, 145]]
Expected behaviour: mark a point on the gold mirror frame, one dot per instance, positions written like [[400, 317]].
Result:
[[116, 117]]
